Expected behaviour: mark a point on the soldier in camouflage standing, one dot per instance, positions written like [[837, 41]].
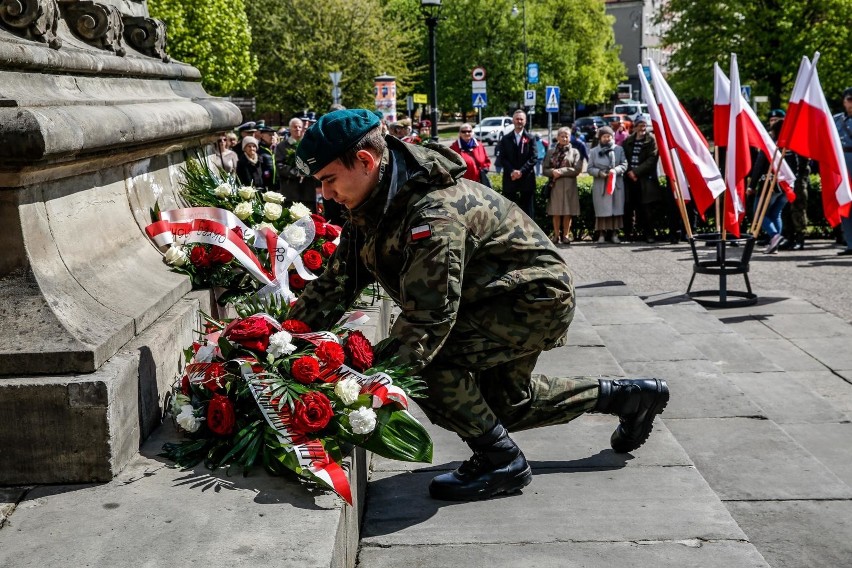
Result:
[[482, 292]]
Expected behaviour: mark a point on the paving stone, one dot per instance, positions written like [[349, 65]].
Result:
[[578, 361], [833, 352], [786, 355], [835, 388], [614, 310], [808, 325], [744, 458], [731, 353], [568, 555], [784, 399], [749, 327], [829, 443], [582, 333], [604, 288], [9, 497], [770, 303], [697, 389], [686, 319], [652, 503], [776, 529], [646, 342]]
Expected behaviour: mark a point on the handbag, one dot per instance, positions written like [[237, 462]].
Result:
[[484, 179]]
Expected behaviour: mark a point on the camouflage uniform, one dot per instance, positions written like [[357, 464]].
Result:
[[481, 288]]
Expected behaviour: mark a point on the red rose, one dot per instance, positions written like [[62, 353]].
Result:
[[238, 231], [297, 282], [359, 350], [295, 326], [198, 257], [185, 389], [330, 353], [312, 413], [221, 417], [213, 375], [328, 249], [317, 218], [319, 228], [218, 255], [305, 369], [312, 259], [252, 332], [332, 232]]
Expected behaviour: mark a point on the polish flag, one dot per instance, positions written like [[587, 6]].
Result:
[[738, 156], [660, 136], [814, 136], [721, 106], [610, 183], [799, 88], [758, 138], [701, 172]]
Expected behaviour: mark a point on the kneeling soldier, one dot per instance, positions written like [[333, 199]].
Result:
[[482, 292]]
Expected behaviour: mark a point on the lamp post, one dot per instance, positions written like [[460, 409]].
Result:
[[431, 10], [524, 17]]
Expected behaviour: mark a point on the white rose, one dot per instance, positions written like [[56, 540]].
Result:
[[223, 190], [243, 210], [187, 419], [265, 225], [363, 420], [272, 211], [273, 197], [299, 210], [178, 402], [176, 256], [247, 192], [348, 390], [280, 343], [295, 235]]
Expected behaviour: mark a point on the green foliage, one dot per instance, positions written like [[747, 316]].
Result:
[[298, 42], [769, 37], [212, 35]]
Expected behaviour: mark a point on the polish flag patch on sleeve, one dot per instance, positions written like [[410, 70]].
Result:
[[421, 232]]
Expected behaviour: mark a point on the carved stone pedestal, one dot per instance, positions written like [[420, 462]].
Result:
[[95, 122]]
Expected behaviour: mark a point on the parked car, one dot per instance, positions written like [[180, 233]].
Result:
[[611, 119], [492, 128], [589, 126], [630, 108]]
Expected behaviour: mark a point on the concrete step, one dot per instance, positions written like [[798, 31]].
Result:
[[587, 506]]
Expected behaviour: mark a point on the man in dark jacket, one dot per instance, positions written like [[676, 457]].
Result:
[[641, 184], [295, 187], [481, 289], [518, 157]]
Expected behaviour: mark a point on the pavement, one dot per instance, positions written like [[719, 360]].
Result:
[[749, 466]]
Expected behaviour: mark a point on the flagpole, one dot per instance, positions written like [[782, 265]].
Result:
[[763, 201], [718, 218], [680, 202]]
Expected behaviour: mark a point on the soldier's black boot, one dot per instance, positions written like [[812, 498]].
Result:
[[636, 402], [498, 466]]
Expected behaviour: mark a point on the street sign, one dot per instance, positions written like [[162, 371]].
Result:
[[420, 99], [480, 100], [746, 91], [478, 86], [551, 97], [478, 73], [647, 71], [409, 103], [532, 73], [761, 98], [529, 98]]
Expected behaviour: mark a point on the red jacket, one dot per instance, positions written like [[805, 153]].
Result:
[[476, 159]]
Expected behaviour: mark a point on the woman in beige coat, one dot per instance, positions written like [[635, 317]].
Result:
[[562, 165]]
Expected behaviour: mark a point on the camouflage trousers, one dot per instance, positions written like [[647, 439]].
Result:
[[483, 374]]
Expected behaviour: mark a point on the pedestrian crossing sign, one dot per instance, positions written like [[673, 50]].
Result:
[[480, 100], [551, 97]]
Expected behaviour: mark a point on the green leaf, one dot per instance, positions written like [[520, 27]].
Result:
[[398, 435]]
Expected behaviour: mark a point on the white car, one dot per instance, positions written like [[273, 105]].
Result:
[[491, 129]]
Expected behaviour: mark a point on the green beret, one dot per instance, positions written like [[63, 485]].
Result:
[[332, 135]]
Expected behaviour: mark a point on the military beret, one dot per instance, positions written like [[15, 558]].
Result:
[[260, 123], [332, 135], [247, 126], [847, 92], [777, 113]]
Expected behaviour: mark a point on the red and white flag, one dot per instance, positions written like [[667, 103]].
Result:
[[659, 130], [738, 156], [814, 135], [701, 172], [799, 87], [721, 106], [610, 183]]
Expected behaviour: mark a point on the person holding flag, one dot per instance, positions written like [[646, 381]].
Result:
[[607, 164]]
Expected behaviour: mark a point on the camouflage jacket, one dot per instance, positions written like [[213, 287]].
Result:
[[447, 250]]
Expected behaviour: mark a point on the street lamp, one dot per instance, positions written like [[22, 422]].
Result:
[[524, 16], [431, 10]]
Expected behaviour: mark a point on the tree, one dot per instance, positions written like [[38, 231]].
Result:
[[212, 35], [769, 37], [298, 42]]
